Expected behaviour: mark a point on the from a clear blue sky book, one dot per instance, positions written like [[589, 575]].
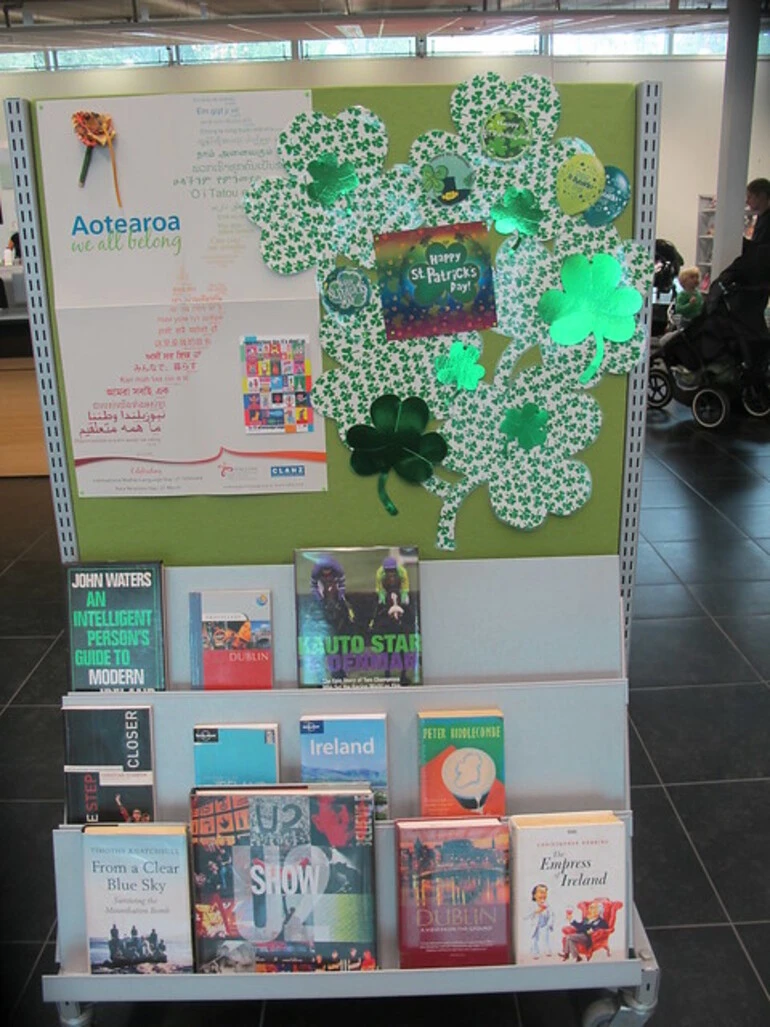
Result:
[[137, 890], [347, 747], [235, 754]]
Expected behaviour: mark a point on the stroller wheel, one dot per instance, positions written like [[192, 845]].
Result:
[[756, 400], [660, 388], [710, 407]]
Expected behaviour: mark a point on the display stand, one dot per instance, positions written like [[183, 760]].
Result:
[[560, 621]]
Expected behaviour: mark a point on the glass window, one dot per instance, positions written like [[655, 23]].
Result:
[[31, 61], [499, 45], [214, 53], [609, 44], [699, 44], [764, 44], [386, 46], [112, 57]]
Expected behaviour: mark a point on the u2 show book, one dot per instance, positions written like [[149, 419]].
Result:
[[283, 879], [115, 624], [137, 891], [231, 639], [108, 764], [358, 617]]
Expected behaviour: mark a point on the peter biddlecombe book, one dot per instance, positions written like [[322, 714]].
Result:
[[347, 747], [454, 907], [569, 887], [137, 888], [358, 617], [283, 879], [231, 639], [462, 766], [108, 764], [235, 754], [115, 619]]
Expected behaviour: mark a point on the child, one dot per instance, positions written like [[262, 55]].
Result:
[[689, 302]]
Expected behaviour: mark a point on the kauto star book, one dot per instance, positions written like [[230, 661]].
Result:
[[231, 639], [462, 762], [344, 748], [235, 754], [358, 617]]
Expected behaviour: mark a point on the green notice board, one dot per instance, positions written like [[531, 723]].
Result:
[[265, 529]]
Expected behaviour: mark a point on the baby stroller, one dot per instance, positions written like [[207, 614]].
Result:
[[668, 264], [720, 358]]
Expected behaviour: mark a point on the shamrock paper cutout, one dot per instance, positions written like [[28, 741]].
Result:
[[433, 178], [459, 367], [592, 302], [527, 425], [395, 441], [517, 212], [330, 181]]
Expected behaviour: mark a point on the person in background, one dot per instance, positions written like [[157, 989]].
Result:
[[689, 302], [14, 244], [758, 201]]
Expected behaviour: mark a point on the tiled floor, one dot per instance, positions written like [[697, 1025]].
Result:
[[700, 755]]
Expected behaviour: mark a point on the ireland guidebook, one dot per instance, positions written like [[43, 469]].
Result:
[[344, 748], [358, 617]]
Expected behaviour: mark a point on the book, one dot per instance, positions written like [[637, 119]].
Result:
[[358, 617], [569, 887], [283, 879], [108, 764], [454, 892], [137, 890], [115, 625], [347, 747], [235, 754], [462, 762], [231, 639]]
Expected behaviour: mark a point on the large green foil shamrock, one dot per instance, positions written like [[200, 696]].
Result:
[[517, 212], [459, 367], [330, 181], [395, 441], [593, 302], [527, 425]]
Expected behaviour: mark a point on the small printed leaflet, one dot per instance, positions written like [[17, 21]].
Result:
[[462, 763], [235, 754], [277, 379], [283, 879], [570, 900], [115, 621], [358, 616], [137, 887], [454, 892], [345, 748], [231, 639], [108, 764]]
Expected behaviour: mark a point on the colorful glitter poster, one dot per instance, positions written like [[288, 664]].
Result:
[[276, 385], [435, 281]]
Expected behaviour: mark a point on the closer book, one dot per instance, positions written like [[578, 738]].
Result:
[[231, 639], [358, 617], [137, 889], [115, 622], [283, 879], [569, 887], [462, 762], [235, 754], [347, 747], [108, 764], [454, 892]]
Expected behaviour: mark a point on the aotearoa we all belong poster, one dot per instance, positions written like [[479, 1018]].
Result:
[[187, 363]]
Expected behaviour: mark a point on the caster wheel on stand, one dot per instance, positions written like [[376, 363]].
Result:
[[710, 407], [600, 1013], [660, 388]]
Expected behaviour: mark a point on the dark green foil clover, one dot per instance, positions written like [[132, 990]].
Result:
[[527, 425], [331, 181], [395, 441], [459, 367], [517, 212]]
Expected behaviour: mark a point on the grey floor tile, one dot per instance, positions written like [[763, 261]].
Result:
[[651, 569], [31, 753], [656, 492], [687, 523], [704, 563], [684, 651], [659, 601], [733, 598], [29, 907], [752, 636], [756, 938], [18, 659], [50, 679]]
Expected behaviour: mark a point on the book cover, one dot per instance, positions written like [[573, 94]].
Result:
[[569, 887], [115, 624], [231, 639], [108, 764], [462, 763], [235, 754], [347, 747], [358, 616], [283, 880], [454, 892], [137, 888]]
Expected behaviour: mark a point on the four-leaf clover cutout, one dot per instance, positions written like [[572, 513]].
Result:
[[395, 440], [593, 302], [330, 180], [527, 425], [518, 212]]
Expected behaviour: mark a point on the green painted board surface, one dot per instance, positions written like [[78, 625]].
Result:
[[217, 530]]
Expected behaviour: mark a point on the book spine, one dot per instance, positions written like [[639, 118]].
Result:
[[196, 644]]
